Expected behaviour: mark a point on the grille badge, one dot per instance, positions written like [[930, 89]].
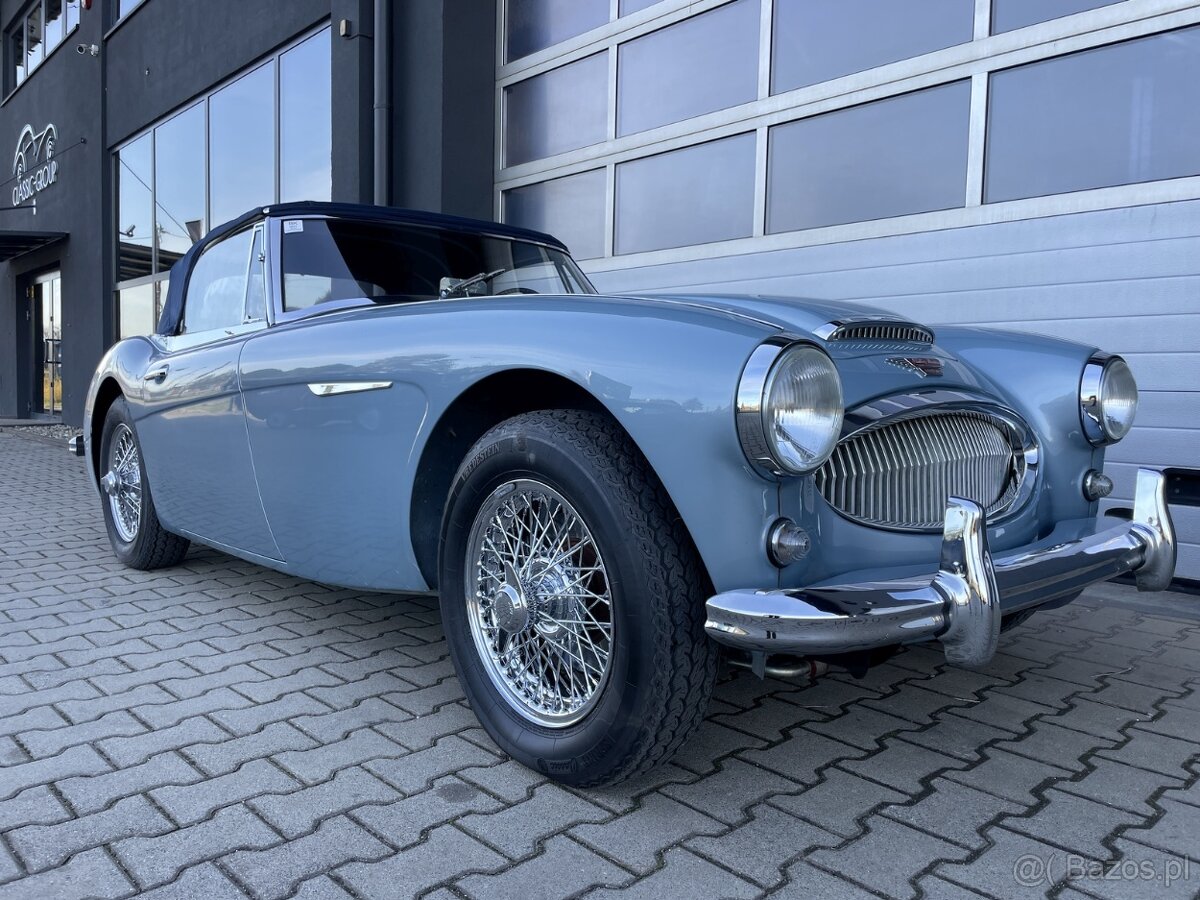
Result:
[[921, 366]]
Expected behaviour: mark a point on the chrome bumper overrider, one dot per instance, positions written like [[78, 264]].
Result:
[[962, 603]]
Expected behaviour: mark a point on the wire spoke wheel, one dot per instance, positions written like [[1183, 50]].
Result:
[[123, 483], [539, 603]]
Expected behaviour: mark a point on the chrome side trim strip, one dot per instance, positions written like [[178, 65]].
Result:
[[331, 388]]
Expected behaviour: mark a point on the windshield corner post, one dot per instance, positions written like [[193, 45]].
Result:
[[383, 101]]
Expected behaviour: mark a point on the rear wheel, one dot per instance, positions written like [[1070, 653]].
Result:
[[137, 537], [573, 600]]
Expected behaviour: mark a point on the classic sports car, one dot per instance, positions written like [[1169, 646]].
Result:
[[607, 491]]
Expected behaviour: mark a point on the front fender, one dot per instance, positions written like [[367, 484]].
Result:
[[1039, 377], [667, 375]]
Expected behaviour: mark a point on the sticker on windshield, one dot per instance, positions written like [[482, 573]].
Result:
[[291, 226]]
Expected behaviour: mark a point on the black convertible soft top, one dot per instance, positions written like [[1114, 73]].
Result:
[[172, 314]]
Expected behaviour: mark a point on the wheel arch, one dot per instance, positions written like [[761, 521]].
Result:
[[108, 392], [472, 414]]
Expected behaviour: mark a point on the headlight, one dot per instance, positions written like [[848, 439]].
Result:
[[1108, 399], [789, 407]]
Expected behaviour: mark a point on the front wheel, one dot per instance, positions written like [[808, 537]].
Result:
[[573, 600], [137, 537]]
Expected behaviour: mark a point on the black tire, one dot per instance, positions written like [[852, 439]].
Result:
[[152, 546], [662, 665]]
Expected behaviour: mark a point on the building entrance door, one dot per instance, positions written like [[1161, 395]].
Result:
[[45, 315]]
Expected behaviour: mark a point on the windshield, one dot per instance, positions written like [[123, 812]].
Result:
[[326, 260]]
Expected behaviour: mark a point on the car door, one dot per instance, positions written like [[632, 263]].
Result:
[[332, 408], [193, 426]]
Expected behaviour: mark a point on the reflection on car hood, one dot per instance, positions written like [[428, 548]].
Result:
[[785, 313]]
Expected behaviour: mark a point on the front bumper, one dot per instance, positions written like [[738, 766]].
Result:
[[962, 603]]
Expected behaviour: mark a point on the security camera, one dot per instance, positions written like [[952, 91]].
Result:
[[92, 49]]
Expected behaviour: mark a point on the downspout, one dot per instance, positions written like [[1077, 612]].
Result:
[[383, 100]]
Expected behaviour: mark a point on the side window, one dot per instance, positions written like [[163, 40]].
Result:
[[216, 290], [256, 282]]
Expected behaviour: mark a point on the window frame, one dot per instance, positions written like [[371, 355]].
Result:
[[157, 273], [246, 325], [19, 24], [974, 60]]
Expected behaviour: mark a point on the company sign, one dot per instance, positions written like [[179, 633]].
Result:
[[33, 164]]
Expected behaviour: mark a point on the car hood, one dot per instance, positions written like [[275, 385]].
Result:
[[793, 314], [868, 368]]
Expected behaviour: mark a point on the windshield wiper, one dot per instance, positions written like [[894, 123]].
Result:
[[460, 289]]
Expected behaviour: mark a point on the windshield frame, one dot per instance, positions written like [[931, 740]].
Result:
[[566, 265]]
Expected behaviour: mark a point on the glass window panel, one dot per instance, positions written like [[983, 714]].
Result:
[[135, 311], [892, 157], [536, 24], [241, 145], [135, 209], [557, 111], [699, 65], [338, 259], [54, 24], [571, 209], [819, 41], [33, 39], [18, 55], [179, 184], [161, 286], [1109, 116], [632, 6], [689, 196], [72, 14], [305, 121], [216, 289], [1010, 14], [256, 284], [127, 6]]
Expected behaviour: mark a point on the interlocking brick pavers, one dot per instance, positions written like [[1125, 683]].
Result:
[[44, 846], [218, 730], [760, 848], [92, 874], [157, 860], [92, 793], [445, 854], [188, 804], [299, 812], [272, 873], [563, 869]]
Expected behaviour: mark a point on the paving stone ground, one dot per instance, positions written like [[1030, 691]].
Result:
[[221, 730]]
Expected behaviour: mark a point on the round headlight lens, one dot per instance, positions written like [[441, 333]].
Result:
[[1108, 398], [802, 409], [1118, 399]]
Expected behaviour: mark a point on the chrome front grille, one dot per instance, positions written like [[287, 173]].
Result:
[[899, 474]]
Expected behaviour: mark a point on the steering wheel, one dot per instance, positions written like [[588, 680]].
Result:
[[516, 290]]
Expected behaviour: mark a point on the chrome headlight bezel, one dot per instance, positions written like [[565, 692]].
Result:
[[753, 410], [1097, 377]]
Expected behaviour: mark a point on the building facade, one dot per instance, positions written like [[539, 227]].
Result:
[[1028, 164]]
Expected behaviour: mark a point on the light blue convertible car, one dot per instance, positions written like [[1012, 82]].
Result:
[[607, 492]]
